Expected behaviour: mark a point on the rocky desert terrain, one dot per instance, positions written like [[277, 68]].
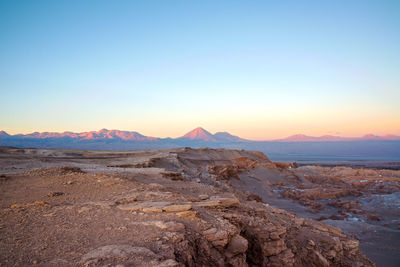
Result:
[[192, 207]]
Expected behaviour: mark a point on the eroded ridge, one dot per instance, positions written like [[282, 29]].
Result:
[[94, 215]]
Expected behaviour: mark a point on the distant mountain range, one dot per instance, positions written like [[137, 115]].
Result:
[[387, 146], [198, 134], [103, 134]]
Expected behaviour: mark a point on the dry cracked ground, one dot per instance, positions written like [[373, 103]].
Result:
[[192, 207]]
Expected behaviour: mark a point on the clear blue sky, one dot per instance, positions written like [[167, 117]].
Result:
[[259, 69]]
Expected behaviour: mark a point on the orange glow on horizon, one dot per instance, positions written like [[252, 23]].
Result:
[[266, 131]]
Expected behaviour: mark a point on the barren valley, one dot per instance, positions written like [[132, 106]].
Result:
[[192, 207]]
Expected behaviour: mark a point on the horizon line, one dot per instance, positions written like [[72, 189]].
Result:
[[181, 136]]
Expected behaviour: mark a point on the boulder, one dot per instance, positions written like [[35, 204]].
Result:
[[237, 245]]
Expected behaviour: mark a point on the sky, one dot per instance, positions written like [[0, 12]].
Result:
[[257, 69]]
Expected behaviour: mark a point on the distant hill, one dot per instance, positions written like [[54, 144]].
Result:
[[227, 137], [200, 134], [3, 134]]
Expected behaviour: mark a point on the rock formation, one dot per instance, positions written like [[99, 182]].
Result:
[[176, 208]]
